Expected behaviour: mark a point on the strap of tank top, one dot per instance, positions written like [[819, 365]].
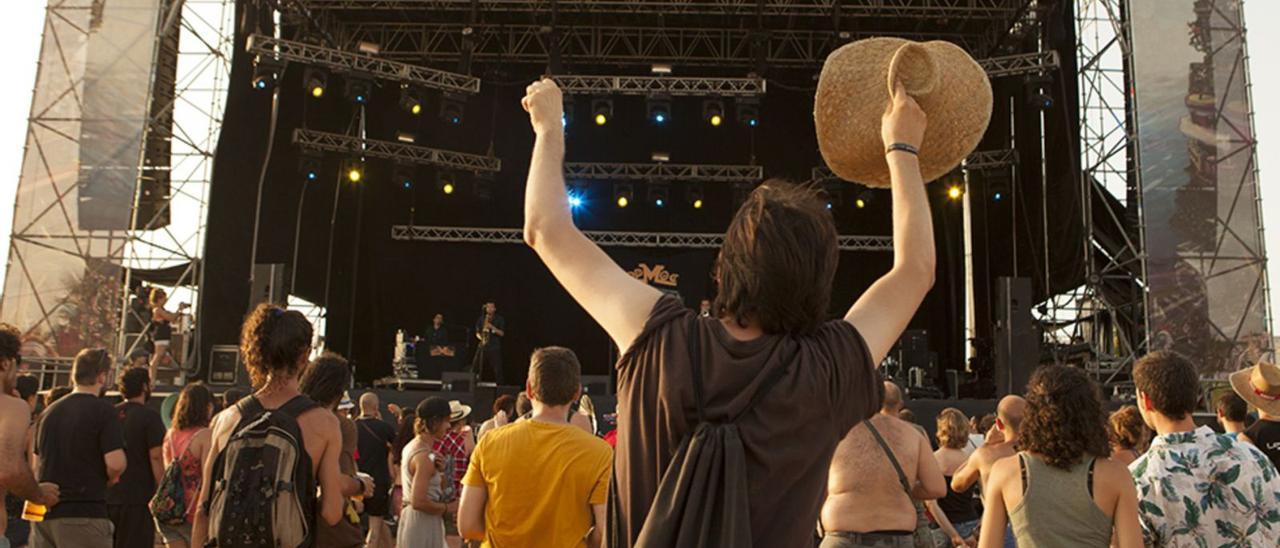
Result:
[[902, 476], [1090, 484], [1022, 465]]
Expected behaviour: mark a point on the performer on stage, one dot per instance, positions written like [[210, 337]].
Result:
[[490, 328], [437, 338]]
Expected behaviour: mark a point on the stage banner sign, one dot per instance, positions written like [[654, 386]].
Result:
[[1206, 270], [75, 193]]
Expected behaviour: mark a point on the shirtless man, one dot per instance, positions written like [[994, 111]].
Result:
[[275, 343], [15, 419], [867, 504], [1002, 444]]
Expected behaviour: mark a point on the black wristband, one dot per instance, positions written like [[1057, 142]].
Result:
[[903, 147]]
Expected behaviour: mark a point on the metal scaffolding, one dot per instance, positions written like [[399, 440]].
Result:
[[1021, 64], [600, 171], [309, 139], [940, 9], [606, 238], [673, 86], [347, 62]]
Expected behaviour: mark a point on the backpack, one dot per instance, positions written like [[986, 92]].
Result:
[[169, 504], [702, 496], [263, 490]]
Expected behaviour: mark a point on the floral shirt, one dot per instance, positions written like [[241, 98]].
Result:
[[1205, 489]]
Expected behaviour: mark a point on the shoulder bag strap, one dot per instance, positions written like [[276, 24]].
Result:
[[902, 477]]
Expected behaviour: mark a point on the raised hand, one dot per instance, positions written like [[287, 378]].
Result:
[[545, 105], [903, 120]]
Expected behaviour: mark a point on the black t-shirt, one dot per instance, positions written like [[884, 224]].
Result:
[[495, 340], [1266, 436], [143, 430], [72, 436], [373, 436]]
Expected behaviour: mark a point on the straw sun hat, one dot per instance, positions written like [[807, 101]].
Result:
[[1259, 385], [854, 90]]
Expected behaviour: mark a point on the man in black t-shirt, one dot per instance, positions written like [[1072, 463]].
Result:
[[80, 448], [490, 329], [373, 444], [143, 440]]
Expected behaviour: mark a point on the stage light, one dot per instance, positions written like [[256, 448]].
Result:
[[358, 90], [452, 107], [266, 73], [997, 196], [659, 193], [567, 108], [658, 109], [410, 100], [310, 167], [860, 203], [575, 201], [955, 192], [713, 112], [601, 111], [661, 69], [1043, 101], [694, 196], [697, 204], [403, 176], [748, 111], [353, 171], [445, 184], [863, 200], [317, 81], [623, 194]]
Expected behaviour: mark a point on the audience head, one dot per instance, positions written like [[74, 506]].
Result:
[[1231, 407], [274, 344], [1167, 385], [1009, 415], [892, 401], [27, 386], [555, 376], [405, 422], [10, 355], [432, 417], [505, 403], [523, 405], [194, 407], [369, 404], [988, 421], [232, 395], [953, 429], [326, 380], [778, 260], [1064, 418], [1127, 429], [907, 414], [56, 393], [135, 382], [91, 366]]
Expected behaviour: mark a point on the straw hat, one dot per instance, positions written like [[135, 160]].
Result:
[[854, 90], [1260, 386], [458, 411]]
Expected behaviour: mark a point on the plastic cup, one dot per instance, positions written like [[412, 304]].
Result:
[[33, 512]]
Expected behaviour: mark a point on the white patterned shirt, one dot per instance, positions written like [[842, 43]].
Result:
[[1207, 490]]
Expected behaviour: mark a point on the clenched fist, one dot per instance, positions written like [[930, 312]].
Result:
[[545, 105]]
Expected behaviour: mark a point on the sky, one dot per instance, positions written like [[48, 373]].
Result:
[[21, 46]]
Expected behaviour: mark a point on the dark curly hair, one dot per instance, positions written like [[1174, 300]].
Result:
[[1127, 429], [326, 379], [274, 342], [1169, 381], [134, 382], [1064, 420], [10, 342], [505, 402], [192, 409]]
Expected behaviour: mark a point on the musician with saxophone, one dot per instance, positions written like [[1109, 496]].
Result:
[[490, 328]]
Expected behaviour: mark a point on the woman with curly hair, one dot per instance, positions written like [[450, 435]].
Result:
[[955, 513], [1129, 434], [1061, 490]]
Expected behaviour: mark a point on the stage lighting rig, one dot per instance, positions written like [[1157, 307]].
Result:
[[353, 171], [452, 108], [410, 99], [577, 193], [446, 183], [402, 176], [1037, 87], [659, 194], [713, 112], [601, 110], [266, 73], [863, 200], [748, 111], [317, 81], [568, 107], [310, 166], [694, 195], [623, 194], [658, 109], [358, 90], [955, 191]]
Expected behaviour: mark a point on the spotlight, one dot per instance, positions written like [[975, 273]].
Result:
[[659, 193], [1042, 100], [860, 203], [445, 184], [863, 199], [451, 108], [310, 167], [575, 201], [601, 111], [266, 73], [353, 170], [358, 90], [410, 100], [955, 192], [658, 109], [998, 189], [694, 196], [834, 191], [748, 111], [623, 194], [317, 81], [403, 176], [577, 195], [713, 112], [567, 117]]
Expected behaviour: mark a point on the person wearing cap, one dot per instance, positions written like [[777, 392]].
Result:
[[1197, 487], [540, 481], [1260, 386], [422, 519]]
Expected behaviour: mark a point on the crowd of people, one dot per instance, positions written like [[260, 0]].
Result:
[[752, 422]]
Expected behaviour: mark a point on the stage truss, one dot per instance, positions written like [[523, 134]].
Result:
[[607, 238]]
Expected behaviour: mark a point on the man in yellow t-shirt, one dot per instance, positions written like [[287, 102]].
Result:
[[539, 482]]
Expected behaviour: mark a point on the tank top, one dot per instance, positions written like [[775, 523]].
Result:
[[1057, 509], [1266, 435], [958, 506], [175, 448]]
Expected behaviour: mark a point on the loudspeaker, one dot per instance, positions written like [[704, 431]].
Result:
[[268, 285], [1017, 343], [595, 385], [225, 368]]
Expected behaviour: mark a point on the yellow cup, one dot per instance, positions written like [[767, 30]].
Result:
[[33, 512]]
